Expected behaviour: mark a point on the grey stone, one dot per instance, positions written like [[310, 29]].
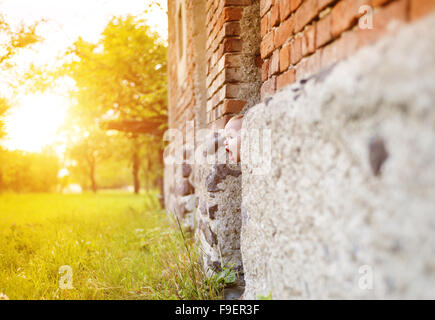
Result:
[[218, 174], [209, 235], [319, 217], [215, 141], [212, 211], [186, 169], [377, 154], [184, 188]]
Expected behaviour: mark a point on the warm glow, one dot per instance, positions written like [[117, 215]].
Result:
[[35, 122]]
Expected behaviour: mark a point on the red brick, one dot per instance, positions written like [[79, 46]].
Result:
[[321, 4], [265, 6], [323, 31], [274, 63], [305, 13], [396, 10], [284, 9], [345, 14], [284, 58], [264, 26], [232, 106], [232, 28], [232, 13], [237, 2], [219, 123], [377, 3], [268, 88], [232, 45], [232, 60], [296, 50], [309, 40], [294, 4], [265, 70], [308, 66], [286, 78], [266, 46], [274, 15], [284, 32], [419, 8]]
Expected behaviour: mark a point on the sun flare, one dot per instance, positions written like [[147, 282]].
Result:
[[34, 123]]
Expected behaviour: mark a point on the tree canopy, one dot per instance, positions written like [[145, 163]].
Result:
[[123, 76], [120, 79]]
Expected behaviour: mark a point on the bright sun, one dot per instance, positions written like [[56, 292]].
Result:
[[34, 123]]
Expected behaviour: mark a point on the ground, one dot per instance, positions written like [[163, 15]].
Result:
[[104, 246]]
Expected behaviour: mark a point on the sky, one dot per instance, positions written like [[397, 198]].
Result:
[[33, 121]]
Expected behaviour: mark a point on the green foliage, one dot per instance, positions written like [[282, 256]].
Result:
[[4, 106], [123, 76], [119, 246], [28, 172], [14, 39]]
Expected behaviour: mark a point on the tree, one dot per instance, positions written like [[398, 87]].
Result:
[[88, 147], [123, 77], [4, 106], [12, 41]]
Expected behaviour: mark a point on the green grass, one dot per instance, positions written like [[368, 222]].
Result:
[[119, 246]]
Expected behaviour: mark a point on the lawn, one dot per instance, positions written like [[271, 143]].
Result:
[[96, 246]]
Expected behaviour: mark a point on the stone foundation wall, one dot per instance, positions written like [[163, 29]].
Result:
[[347, 209]]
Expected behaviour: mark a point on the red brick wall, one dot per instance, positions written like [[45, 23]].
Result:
[[181, 97], [224, 47], [300, 37]]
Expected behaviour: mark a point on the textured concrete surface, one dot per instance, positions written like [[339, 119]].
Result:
[[348, 207]]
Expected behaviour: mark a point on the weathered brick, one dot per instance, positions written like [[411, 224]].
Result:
[[264, 25], [284, 58], [377, 3], [219, 123], [274, 63], [265, 6], [294, 4], [419, 8], [232, 60], [274, 14], [308, 66], [232, 13], [309, 40], [286, 78], [322, 4], [265, 70], [232, 28], [268, 88], [231, 106], [266, 46], [284, 32], [396, 10], [323, 31], [232, 45], [237, 2], [296, 50], [284, 9], [345, 14], [305, 13]]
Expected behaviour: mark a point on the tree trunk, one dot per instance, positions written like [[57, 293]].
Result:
[[92, 176], [136, 165]]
